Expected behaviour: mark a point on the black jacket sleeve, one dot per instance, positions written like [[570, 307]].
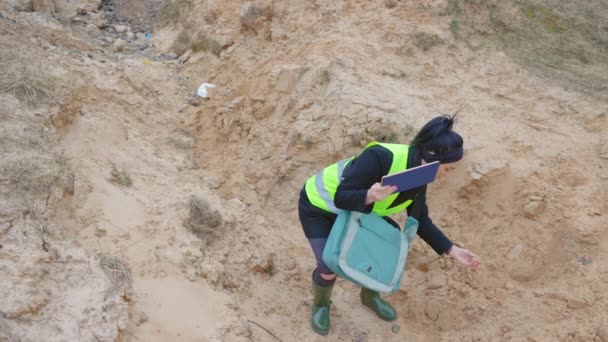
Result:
[[427, 230], [359, 175]]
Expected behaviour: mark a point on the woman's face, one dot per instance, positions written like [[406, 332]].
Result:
[[445, 169]]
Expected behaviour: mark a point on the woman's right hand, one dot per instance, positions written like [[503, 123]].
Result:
[[378, 192]]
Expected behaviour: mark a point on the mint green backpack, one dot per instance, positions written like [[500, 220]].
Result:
[[369, 251]]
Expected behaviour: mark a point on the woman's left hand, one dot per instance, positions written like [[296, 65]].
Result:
[[464, 256]]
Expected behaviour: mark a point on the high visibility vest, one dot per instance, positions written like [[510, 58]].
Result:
[[321, 188]]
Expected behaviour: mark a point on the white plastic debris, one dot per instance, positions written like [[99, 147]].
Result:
[[202, 90]]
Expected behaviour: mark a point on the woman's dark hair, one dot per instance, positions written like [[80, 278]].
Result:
[[438, 142]]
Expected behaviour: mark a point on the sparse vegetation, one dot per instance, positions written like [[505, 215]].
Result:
[[172, 11], [199, 42], [117, 271], [551, 37], [203, 220], [26, 78], [454, 27], [266, 268], [120, 177], [202, 42], [390, 136], [181, 44], [425, 41]]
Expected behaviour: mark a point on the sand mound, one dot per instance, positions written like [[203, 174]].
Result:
[[133, 210]]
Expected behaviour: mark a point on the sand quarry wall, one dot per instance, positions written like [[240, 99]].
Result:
[[132, 209]]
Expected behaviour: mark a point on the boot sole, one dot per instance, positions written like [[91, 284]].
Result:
[[320, 332], [382, 318]]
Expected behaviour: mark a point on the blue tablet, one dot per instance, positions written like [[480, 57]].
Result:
[[412, 178]]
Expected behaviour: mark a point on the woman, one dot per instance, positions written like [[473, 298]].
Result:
[[354, 184]]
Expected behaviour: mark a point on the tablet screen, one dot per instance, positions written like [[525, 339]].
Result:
[[412, 178]]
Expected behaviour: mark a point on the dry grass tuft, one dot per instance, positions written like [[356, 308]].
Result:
[[426, 41], [203, 220], [27, 77], [266, 268], [120, 177], [173, 11], [181, 44], [200, 41], [117, 271]]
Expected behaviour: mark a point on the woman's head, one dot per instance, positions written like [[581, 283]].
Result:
[[438, 142]]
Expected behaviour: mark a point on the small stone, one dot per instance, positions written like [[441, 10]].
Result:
[[140, 36], [142, 318], [194, 101], [508, 286], [214, 182], [121, 28], [583, 260], [395, 328], [119, 45], [101, 23], [92, 29], [130, 35]]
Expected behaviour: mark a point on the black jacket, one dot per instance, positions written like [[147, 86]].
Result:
[[368, 168]]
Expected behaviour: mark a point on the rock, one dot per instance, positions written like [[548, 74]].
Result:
[[395, 328], [140, 36], [121, 28], [130, 35], [141, 318], [92, 29], [509, 286], [194, 101], [253, 14], [101, 23], [214, 182], [119, 45]]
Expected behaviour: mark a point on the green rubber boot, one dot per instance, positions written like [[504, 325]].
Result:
[[320, 308], [383, 309]]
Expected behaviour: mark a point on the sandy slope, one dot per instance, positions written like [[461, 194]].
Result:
[[310, 85]]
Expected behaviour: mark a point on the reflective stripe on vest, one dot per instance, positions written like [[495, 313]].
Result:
[[321, 188]]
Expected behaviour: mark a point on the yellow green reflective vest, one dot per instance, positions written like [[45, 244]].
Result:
[[321, 188]]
